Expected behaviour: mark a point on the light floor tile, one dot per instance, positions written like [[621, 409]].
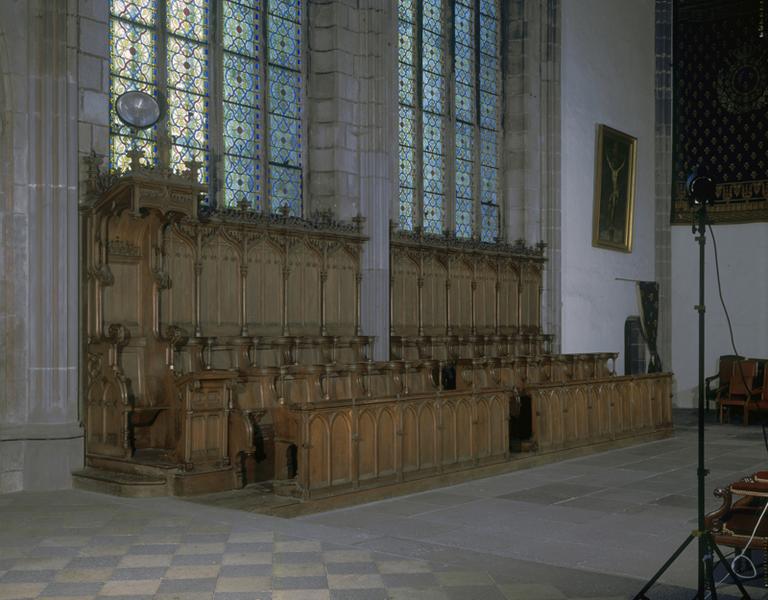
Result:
[[344, 556], [12, 591], [76, 575], [402, 566], [298, 570], [298, 546], [140, 587], [355, 581], [301, 595]]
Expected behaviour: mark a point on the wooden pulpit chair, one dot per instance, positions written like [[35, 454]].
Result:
[[741, 390], [716, 386]]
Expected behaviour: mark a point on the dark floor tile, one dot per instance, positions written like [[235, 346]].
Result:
[[297, 557], [475, 592], [173, 586], [33, 576]]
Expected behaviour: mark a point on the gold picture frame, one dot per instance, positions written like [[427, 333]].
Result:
[[614, 189]]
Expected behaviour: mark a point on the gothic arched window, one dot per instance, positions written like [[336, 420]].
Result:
[[449, 115], [230, 74]]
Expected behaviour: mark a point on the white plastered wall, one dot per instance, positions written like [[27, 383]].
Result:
[[743, 258], [608, 73]]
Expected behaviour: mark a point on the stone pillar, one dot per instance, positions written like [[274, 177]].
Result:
[[532, 139], [40, 430], [353, 132], [663, 168]]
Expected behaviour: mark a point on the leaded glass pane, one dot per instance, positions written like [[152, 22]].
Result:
[[286, 9], [488, 35], [284, 136], [405, 42], [405, 10], [285, 93], [407, 202], [407, 127], [284, 42], [489, 231], [464, 210], [132, 51], [239, 132], [408, 160], [433, 172], [433, 133], [407, 81], [488, 117], [407, 169], [241, 29], [285, 189], [187, 65], [188, 18], [488, 7], [241, 80], [188, 128], [488, 184], [433, 213], [241, 183], [138, 11], [488, 149], [433, 20]]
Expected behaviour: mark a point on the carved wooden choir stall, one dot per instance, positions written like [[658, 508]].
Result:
[[224, 348]]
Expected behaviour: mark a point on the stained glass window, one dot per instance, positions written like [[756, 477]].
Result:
[[284, 118], [489, 120], [406, 25], [133, 66], [251, 116], [434, 123]]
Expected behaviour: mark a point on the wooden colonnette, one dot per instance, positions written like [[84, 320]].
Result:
[[224, 348]]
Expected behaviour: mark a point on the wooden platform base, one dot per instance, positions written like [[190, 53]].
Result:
[[276, 499]]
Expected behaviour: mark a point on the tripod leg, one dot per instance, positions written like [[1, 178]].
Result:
[[641, 594], [711, 542]]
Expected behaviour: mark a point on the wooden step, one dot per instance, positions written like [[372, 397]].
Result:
[[117, 483]]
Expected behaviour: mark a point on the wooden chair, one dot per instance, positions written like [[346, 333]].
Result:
[[741, 389], [717, 384]]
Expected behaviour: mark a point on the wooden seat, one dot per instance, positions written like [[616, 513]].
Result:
[[717, 384], [741, 390]]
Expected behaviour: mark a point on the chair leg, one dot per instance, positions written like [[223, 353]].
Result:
[[746, 414]]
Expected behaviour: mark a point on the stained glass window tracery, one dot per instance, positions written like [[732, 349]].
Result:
[[212, 63], [433, 123]]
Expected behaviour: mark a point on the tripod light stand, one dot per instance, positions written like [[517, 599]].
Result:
[[701, 191]]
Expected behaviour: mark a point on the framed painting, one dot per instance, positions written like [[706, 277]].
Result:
[[614, 189]]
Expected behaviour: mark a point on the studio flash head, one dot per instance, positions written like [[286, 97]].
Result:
[[700, 188]]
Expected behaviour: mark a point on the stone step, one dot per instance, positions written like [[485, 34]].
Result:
[[116, 483]]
